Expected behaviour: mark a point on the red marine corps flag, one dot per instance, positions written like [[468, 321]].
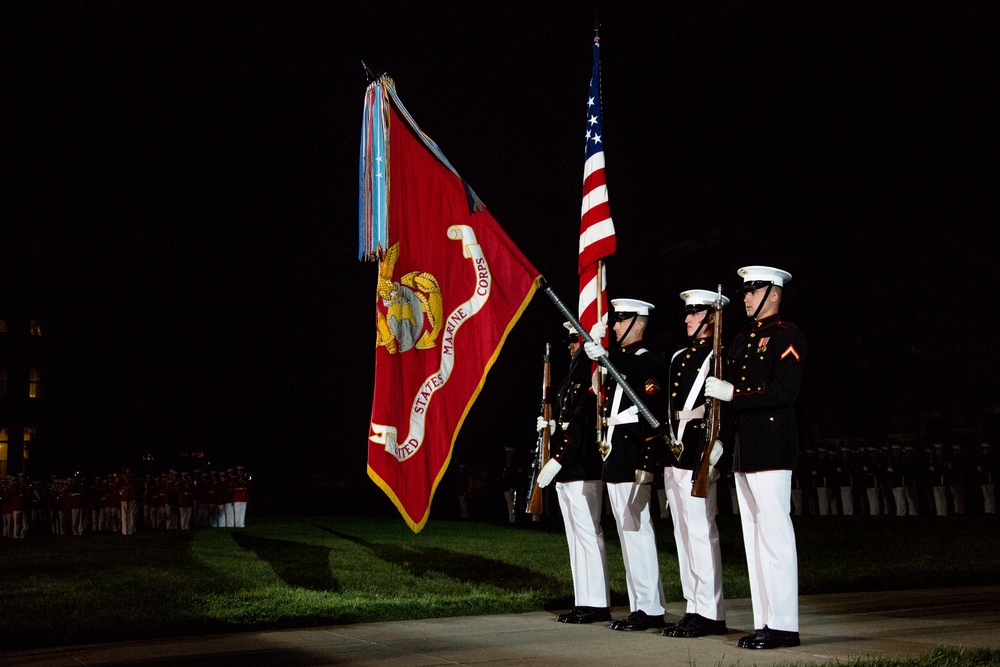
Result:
[[451, 284]]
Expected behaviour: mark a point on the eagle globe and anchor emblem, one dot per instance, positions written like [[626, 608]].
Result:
[[412, 310], [410, 317]]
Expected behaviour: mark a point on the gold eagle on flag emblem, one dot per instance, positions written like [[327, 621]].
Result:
[[406, 307]]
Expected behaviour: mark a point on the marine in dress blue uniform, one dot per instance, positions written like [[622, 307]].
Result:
[[630, 457], [765, 373], [576, 466], [696, 533]]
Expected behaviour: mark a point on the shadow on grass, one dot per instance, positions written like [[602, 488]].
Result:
[[467, 568], [298, 565]]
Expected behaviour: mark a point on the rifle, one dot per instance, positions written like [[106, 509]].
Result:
[[699, 487], [534, 503], [663, 430]]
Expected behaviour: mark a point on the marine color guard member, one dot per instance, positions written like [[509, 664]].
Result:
[[765, 369], [630, 459], [575, 464], [696, 534]]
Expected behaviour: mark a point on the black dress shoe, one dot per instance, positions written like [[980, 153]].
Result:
[[757, 635], [638, 620], [767, 638], [581, 615], [667, 629], [564, 618], [699, 626]]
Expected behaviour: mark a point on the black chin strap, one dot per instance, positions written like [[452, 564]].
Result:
[[701, 327], [762, 301], [630, 325]]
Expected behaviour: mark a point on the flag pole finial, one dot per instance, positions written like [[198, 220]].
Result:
[[368, 72]]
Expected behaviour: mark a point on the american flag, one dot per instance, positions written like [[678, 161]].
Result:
[[597, 231]]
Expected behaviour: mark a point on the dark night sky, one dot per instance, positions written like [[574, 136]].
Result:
[[180, 198]]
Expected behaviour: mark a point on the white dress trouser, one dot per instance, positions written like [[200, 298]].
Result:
[[769, 540], [239, 514], [630, 505], [580, 504], [128, 515], [941, 500], [989, 499], [847, 500], [958, 497], [798, 501], [699, 556], [824, 500], [899, 495], [873, 501]]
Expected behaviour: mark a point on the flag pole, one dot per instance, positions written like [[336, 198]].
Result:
[[599, 389], [665, 431]]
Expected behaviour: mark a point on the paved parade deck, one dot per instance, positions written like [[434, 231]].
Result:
[[832, 627]]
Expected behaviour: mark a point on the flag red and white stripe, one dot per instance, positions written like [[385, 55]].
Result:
[[597, 230]]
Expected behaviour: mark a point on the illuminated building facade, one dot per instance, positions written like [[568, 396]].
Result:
[[22, 390]]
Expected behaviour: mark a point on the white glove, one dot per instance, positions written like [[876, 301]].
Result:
[[713, 458], [720, 389], [594, 350], [598, 331], [541, 423], [643, 477], [715, 454], [547, 473]]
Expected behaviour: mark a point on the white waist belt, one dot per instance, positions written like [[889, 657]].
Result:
[[696, 413], [629, 416]]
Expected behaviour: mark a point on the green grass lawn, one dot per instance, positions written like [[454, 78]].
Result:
[[295, 572]]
